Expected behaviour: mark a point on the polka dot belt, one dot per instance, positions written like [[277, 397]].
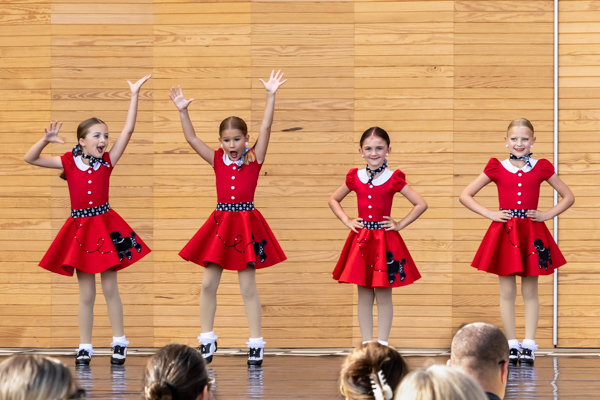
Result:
[[372, 225], [90, 212], [515, 212], [235, 206]]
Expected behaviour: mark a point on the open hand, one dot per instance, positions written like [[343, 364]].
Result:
[[274, 82], [390, 224], [178, 99], [500, 216], [355, 224], [52, 133], [135, 87], [537, 216]]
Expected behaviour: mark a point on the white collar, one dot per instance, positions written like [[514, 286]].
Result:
[[512, 169], [385, 176], [227, 161], [83, 166]]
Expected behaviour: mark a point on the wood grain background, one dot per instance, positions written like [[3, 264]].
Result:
[[443, 77]]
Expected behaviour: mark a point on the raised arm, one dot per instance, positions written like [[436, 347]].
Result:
[[34, 156], [419, 207], [118, 148], [336, 207], [568, 199], [198, 145], [262, 142], [467, 199]]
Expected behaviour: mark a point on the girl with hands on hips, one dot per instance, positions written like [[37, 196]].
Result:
[[95, 239], [375, 257], [235, 237], [518, 243]]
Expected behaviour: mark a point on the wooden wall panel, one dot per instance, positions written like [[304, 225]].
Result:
[[444, 77], [25, 216], [578, 299]]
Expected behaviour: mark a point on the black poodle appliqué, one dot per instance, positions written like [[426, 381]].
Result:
[[545, 259], [125, 244], [395, 267], [259, 249]]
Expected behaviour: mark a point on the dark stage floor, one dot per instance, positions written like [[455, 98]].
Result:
[[313, 374]]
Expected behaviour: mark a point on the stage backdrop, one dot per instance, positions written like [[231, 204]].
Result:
[[443, 77]]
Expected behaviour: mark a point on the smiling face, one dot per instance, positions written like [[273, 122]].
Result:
[[374, 150], [519, 140], [234, 143], [95, 141]]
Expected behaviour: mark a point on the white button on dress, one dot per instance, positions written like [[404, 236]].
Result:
[[89, 192], [233, 187], [89, 181], [370, 206], [234, 168], [371, 186], [369, 196], [91, 202], [519, 202], [232, 197], [518, 194], [89, 171], [370, 216], [520, 174], [520, 184], [233, 177]]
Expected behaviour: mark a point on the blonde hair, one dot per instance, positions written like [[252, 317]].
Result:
[[366, 361], [175, 371], [240, 125], [520, 122], [439, 382], [34, 377]]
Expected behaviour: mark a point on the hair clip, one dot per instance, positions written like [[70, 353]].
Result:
[[377, 393], [387, 391]]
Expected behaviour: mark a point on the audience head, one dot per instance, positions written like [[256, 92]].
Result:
[[35, 377], [372, 364], [481, 350], [439, 382], [176, 372]]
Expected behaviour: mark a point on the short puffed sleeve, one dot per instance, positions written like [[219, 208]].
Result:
[[492, 169], [218, 157], [546, 168], [351, 178], [67, 162], [398, 180]]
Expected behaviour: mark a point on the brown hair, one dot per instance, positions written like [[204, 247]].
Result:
[[520, 122], [439, 382], [239, 124], [375, 131], [82, 131], [365, 361], [176, 370], [34, 377], [479, 349]]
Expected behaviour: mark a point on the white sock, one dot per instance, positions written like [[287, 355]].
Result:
[[86, 346], [207, 337], [256, 343], [383, 342], [529, 344], [514, 344], [366, 341], [119, 341]]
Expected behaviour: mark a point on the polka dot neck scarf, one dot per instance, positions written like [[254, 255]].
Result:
[[372, 172], [525, 158]]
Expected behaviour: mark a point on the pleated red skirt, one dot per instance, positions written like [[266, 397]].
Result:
[[519, 247], [234, 240], [93, 245], [376, 258]]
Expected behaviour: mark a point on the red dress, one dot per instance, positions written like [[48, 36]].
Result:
[[520, 246], [375, 257], [235, 235], [95, 238]]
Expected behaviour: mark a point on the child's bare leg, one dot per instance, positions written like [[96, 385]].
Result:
[[87, 297], [247, 278], [208, 296], [508, 295], [529, 289], [366, 297], [385, 311], [110, 289]]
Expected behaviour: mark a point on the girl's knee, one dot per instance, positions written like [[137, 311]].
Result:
[[87, 297], [248, 290], [210, 286]]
